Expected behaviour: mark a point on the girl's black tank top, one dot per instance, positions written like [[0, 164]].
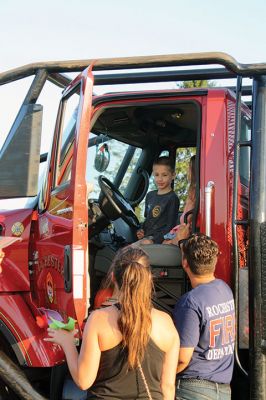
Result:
[[115, 382]]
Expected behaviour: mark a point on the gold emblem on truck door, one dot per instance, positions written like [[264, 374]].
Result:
[[17, 229]]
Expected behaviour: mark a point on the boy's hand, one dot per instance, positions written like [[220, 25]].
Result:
[[140, 234], [183, 232], [167, 241]]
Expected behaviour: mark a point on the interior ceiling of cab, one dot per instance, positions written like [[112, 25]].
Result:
[[142, 125]]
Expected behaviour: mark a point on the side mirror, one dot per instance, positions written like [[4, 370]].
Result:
[[20, 154], [102, 157]]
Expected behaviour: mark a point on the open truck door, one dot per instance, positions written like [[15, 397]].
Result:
[[62, 230]]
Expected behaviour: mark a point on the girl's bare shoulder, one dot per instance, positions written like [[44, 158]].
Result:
[[163, 330], [160, 315], [102, 314], [162, 321]]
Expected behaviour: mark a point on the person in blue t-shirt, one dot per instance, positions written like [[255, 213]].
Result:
[[205, 320]]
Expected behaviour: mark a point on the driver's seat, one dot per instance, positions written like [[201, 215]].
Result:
[[163, 255], [169, 276]]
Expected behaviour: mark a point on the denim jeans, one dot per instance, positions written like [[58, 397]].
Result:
[[197, 389]]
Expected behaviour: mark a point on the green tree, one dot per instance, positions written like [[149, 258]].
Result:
[[183, 156], [196, 84]]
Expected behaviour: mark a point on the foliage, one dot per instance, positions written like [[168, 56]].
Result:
[[196, 84], [183, 156]]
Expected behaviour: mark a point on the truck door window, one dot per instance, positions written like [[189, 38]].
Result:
[[67, 137], [128, 172]]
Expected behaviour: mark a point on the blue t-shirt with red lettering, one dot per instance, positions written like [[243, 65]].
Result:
[[205, 320]]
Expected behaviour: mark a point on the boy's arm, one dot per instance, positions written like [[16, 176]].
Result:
[[171, 216], [173, 212], [140, 234], [168, 219]]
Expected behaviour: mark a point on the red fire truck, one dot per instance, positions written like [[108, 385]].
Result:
[[98, 172]]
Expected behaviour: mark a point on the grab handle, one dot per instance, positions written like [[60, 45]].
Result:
[[208, 206], [67, 269]]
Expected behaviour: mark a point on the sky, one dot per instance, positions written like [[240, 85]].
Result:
[[31, 31], [73, 29]]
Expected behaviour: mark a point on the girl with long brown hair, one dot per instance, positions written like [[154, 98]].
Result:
[[129, 350]]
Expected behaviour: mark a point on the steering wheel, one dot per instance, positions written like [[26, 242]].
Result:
[[146, 178], [114, 205]]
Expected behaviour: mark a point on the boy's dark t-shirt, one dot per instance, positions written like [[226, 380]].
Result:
[[161, 214], [205, 319]]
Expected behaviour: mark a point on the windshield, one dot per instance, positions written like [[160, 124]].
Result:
[[118, 150]]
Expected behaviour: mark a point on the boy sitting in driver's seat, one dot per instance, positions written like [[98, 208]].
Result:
[[161, 205]]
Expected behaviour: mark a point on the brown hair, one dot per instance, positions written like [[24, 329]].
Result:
[[201, 253], [134, 280], [166, 161]]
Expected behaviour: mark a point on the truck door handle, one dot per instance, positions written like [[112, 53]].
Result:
[[208, 206], [67, 269]]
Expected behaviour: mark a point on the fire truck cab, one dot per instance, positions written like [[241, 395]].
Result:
[[90, 201]]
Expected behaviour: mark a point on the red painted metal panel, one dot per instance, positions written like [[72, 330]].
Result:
[[16, 223], [18, 318], [214, 168]]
